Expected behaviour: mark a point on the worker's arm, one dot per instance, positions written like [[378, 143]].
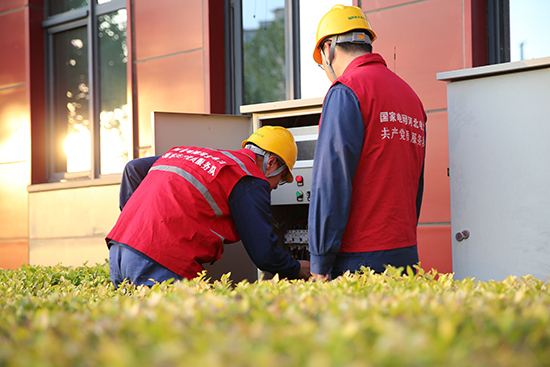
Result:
[[134, 172], [250, 207], [336, 158]]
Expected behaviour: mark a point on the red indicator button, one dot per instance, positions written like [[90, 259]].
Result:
[[299, 180]]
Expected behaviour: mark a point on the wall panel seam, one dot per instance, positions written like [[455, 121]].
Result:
[[13, 10], [13, 86], [168, 55]]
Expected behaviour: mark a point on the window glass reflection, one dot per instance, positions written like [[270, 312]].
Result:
[[529, 29], [115, 127], [263, 50], [71, 127]]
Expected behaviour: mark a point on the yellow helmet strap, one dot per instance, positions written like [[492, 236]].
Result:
[[328, 62], [266, 155], [277, 171]]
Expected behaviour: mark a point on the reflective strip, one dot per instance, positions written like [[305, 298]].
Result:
[[220, 236], [219, 249], [237, 160], [196, 183]]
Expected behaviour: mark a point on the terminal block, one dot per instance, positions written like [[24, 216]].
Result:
[[296, 236]]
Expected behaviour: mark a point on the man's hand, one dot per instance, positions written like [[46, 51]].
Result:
[[321, 277], [304, 269]]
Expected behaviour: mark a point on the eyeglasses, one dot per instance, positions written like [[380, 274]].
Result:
[[283, 180], [321, 66]]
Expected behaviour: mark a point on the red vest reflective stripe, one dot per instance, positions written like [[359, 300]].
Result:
[[383, 204], [179, 216]]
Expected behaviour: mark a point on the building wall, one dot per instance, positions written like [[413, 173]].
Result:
[[69, 225], [177, 53], [67, 222], [178, 62], [17, 27], [170, 51]]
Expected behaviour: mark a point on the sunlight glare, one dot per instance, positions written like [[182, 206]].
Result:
[[78, 149]]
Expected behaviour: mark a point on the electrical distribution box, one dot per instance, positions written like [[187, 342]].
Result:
[[290, 202], [499, 172]]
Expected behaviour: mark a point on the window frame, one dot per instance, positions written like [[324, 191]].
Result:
[[498, 31], [86, 16], [234, 54]]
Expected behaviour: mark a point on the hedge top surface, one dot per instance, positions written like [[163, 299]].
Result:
[[65, 316]]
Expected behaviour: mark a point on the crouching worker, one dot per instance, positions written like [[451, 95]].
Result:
[[194, 200]]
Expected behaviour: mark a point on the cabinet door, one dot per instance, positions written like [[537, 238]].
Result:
[[499, 153], [214, 131], [172, 129]]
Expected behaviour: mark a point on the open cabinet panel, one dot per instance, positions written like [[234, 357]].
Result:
[[172, 129]]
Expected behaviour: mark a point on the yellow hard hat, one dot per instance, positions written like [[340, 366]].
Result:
[[279, 141], [340, 19]]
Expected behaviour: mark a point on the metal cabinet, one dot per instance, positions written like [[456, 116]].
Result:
[[499, 159]]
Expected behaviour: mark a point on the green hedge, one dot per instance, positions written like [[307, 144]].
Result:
[[64, 316]]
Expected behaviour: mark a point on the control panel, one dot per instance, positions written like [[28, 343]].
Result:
[[297, 192]]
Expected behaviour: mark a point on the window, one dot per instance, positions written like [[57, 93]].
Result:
[[517, 30], [89, 129], [261, 52], [269, 50]]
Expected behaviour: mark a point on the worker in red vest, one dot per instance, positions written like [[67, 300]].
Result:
[[192, 201], [369, 160]]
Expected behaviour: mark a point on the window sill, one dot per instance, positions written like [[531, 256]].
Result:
[[76, 184]]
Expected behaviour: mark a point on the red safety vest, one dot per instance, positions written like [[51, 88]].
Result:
[[179, 216], [383, 202]]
